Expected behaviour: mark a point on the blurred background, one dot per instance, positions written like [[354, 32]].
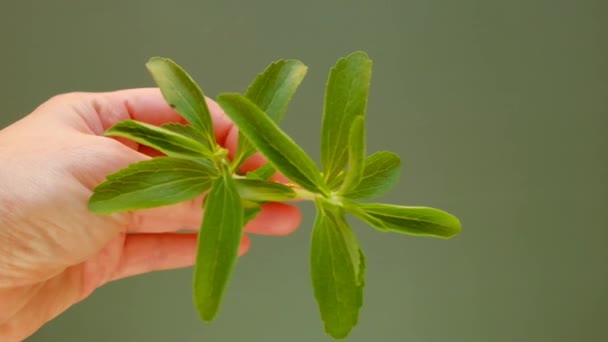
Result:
[[499, 110]]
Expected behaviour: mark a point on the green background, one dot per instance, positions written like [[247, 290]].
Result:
[[499, 110]]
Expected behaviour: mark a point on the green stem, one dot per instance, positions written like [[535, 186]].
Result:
[[220, 156], [334, 198], [236, 163], [305, 194]]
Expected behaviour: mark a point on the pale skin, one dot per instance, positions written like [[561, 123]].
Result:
[[53, 251]]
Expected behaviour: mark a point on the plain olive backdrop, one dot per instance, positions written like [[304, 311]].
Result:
[[499, 110]]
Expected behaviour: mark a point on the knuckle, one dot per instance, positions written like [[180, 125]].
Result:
[[67, 97]]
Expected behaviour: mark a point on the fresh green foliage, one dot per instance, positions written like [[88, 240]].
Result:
[[271, 91], [337, 271], [183, 95], [218, 245], [185, 130], [152, 183], [195, 163], [263, 173], [277, 146], [174, 142], [345, 99], [259, 190], [380, 174], [251, 210], [411, 220], [356, 155]]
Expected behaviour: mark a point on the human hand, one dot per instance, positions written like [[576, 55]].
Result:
[[53, 251]]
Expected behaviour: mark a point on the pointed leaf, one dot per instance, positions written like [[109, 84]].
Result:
[[345, 99], [356, 155], [152, 183], [187, 131], [183, 95], [263, 173], [218, 246], [337, 272], [380, 174], [354, 208], [272, 91], [263, 191], [250, 211], [422, 221], [275, 145], [169, 142]]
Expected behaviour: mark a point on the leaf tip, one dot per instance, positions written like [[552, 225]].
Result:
[[157, 59], [455, 227], [451, 224], [359, 55], [91, 205], [96, 207], [208, 316], [339, 333], [207, 309]]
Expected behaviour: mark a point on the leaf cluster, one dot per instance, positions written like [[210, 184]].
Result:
[[194, 164]]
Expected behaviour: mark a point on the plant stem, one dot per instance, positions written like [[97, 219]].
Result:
[[234, 164], [334, 198], [305, 194]]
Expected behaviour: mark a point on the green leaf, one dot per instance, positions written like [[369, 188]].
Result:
[[272, 91], [380, 174], [263, 173], [185, 130], [183, 95], [345, 99], [356, 155], [420, 221], [354, 208], [218, 245], [250, 211], [263, 191], [167, 141], [152, 183], [337, 272], [275, 145]]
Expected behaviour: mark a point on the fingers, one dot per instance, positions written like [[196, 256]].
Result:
[[274, 219], [231, 144], [148, 105], [183, 216], [145, 253], [141, 104]]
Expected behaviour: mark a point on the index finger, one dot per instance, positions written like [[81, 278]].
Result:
[[145, 105]]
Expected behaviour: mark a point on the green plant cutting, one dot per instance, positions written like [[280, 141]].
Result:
[[194, 164]]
